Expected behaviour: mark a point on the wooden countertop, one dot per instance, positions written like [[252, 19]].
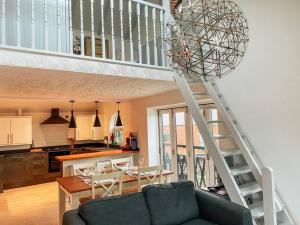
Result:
[[75, 184], [93, 155]]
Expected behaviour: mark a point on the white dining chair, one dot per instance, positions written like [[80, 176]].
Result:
[[118, 164], [107, 183], [79, 168], [149, 175], [101, 166]]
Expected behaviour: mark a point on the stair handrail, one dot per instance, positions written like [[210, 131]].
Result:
[[208, 138], [238, 135], [269, 196]]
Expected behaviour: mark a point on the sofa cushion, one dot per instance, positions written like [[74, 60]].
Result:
[[122, 210], [198, 221], [171, 204]]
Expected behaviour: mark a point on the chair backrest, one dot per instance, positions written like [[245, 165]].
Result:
[[107, 183], [116, 162], [79, 167], [103, 165], [149, 175]]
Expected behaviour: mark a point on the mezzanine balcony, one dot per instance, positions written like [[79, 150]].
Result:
[[106, 37]]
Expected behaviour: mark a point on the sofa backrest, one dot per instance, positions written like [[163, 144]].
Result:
[[121, 210], [171, 204]]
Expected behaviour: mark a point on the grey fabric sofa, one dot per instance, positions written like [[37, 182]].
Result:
[[177, 203]]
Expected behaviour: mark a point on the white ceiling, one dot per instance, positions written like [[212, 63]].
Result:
[[17, 83]]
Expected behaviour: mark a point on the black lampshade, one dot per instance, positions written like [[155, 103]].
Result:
[[119, 121], [97, 121], [72, 123]]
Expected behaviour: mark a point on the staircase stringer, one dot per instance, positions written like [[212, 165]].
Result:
[[220, 163]]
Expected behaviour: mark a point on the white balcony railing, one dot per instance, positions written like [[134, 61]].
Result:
[[117, 30]]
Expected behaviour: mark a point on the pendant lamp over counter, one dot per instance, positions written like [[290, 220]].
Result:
[[72, 123], [97, 121], [119, 121]]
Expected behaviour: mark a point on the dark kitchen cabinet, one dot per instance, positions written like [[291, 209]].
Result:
[[39, 164], [23, 169], [17, 168]]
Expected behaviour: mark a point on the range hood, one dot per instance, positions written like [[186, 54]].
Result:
[[55, 118]]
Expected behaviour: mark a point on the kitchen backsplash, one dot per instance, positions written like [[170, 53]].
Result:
[[48, 135]]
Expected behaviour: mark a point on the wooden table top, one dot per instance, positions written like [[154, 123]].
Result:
[[93, 155], [74, 184]]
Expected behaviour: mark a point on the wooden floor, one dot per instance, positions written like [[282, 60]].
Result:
[[32, 205]]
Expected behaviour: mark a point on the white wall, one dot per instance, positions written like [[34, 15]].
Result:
[[264, 91]]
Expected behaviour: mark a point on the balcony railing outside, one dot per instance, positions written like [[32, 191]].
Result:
[[129, 31]]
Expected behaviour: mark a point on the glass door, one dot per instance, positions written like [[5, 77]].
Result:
[[174, 151], [182, 148], [204, 170], [182, 154], [166, 136]]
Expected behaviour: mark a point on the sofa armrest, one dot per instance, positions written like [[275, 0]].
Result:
[[72, 218], [221, 211]]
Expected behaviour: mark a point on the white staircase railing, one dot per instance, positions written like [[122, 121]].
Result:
[[238, 192], [130, 31], [269, 196]]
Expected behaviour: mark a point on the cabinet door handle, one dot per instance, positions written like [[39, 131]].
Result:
[[8, 139], [12, 139]]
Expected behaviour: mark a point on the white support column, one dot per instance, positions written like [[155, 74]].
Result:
[[113, 43], [163, 63], [71, 27], [81, 29], [154, 36], [33, 24], [93, 29], [102, 30], [19, 23], [269, 196], [147, 35], [122, 31], [3, 23], [58, 14], [130, 30], [138, 12], [46, 25]]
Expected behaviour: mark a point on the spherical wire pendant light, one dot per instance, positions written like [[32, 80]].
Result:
[[206, 39]]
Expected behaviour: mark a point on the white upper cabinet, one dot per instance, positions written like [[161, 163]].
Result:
[[97, 132], [4, 131], [86, 130], [83, 131], [21, 130], [15, 130]]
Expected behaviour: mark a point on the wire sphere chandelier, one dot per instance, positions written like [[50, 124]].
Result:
[[207, 39]]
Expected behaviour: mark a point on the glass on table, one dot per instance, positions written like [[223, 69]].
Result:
[[141, 161]]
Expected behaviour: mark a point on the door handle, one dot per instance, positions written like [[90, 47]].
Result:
[[8, 139]]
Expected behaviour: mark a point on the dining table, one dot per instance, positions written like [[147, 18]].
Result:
[[72, 188]]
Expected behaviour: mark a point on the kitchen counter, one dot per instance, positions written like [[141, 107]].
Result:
[[21, 151], [68, 160], [108, 152]]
